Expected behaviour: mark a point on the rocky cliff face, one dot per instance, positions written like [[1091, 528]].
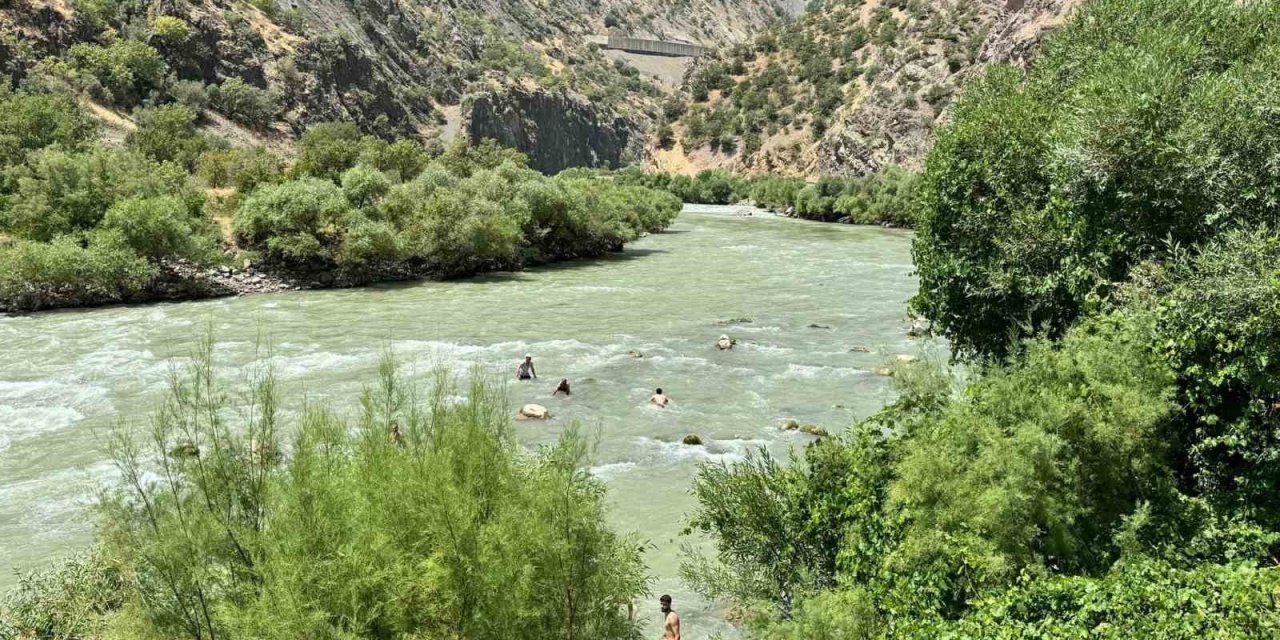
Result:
[[396, 67], [557, 130]]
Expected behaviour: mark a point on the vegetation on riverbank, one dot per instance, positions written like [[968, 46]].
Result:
[[1098, 242], [420, 519], [85, 223], [886, 197]]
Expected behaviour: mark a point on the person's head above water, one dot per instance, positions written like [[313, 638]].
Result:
[[527, 357], [658, 391], [665, 602]]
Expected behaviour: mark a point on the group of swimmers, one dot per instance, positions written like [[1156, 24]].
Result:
[[526, 371]]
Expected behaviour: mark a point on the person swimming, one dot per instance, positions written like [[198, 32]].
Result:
[[659, 398], [563, 387], [526, 371]]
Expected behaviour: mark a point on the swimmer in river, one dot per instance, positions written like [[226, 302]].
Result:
[[563, 387], [670, 619], [659, 398], [526, 371]]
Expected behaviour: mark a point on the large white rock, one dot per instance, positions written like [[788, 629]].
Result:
[[533, 412]]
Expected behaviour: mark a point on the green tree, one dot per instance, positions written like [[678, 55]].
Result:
[[129, 69], [1137, 125], [160, 227], [168, 134], [327, 149]]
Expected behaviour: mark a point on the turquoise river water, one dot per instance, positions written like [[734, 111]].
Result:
[[811, 292]]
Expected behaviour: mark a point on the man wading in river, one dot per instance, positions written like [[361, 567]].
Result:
[[659, 398], [526, 371], [670, 620]]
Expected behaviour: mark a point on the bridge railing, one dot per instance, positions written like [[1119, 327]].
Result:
[[659, 47]]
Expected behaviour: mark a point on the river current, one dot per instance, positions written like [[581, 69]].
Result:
[[801, 299]]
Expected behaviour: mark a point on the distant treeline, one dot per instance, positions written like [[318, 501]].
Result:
[[881, 198]]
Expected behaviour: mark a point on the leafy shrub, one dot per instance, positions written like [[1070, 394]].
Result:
[[70, 600], [33, 121], [364, 186], [192, 94], [168, 134], [1218, 318], [170, 30], [298, 221], [34, 275], [245, 103], [327, 149], [1137, 125], [160, 227], [129, 69], [243, 169], [60, 192]]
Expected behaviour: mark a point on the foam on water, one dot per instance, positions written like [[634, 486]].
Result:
[[809, 372]]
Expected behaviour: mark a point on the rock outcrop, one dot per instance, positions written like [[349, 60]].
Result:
[[557, 130]]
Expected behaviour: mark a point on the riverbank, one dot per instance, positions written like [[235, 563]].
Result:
[[179, 280]]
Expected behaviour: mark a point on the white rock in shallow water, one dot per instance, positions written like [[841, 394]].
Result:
[[725, 343], [533, 412]]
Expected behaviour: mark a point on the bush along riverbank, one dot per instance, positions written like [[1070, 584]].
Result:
[[886, 198], [177, 214], [420, 518]]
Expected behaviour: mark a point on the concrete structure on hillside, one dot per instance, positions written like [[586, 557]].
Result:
[[654, 47]]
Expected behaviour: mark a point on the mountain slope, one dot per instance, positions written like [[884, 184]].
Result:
[[394, 67], [850, 87]]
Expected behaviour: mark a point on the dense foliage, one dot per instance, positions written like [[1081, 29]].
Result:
[[1144, 125], [82, 222], [1105, 228], [469, 210], [420, 519]]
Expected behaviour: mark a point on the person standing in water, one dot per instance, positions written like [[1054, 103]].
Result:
[[670, 619], [526, 371], [659, 398], [563, 387]]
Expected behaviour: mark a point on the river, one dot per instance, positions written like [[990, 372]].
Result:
[[797, 296]]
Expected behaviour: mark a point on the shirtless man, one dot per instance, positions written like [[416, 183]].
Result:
[[671, 620], [659, 398], [526, 371]]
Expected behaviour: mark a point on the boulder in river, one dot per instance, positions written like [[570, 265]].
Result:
[[882, 371], [635, 354], [533, 412], [860, 349], [692, 440], [790, 425], [819, 326], [814, 430], [725, 343], [906, 358]]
